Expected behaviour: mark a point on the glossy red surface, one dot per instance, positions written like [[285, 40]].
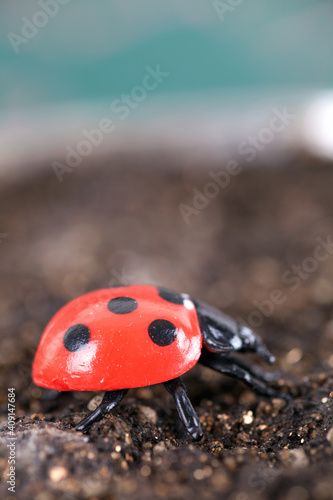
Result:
[[120, 353]]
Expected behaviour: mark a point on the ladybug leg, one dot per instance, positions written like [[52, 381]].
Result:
[[256, 371], [110, 400], [253, 343], [185, 409], [228, 366]]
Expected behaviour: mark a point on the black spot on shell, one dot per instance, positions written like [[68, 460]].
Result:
[[162, 332], [122, 305], [76, 337], [169, 296]]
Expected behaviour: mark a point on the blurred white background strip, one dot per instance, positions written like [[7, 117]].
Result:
[[218, 128]]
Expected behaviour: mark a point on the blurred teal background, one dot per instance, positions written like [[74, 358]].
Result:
[[96, 50], [63, 62]]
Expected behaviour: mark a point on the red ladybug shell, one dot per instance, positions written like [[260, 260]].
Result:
[[118, 338]]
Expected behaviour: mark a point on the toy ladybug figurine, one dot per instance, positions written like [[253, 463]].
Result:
[[134, 336]]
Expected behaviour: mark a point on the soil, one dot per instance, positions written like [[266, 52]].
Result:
[[119, 222]]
